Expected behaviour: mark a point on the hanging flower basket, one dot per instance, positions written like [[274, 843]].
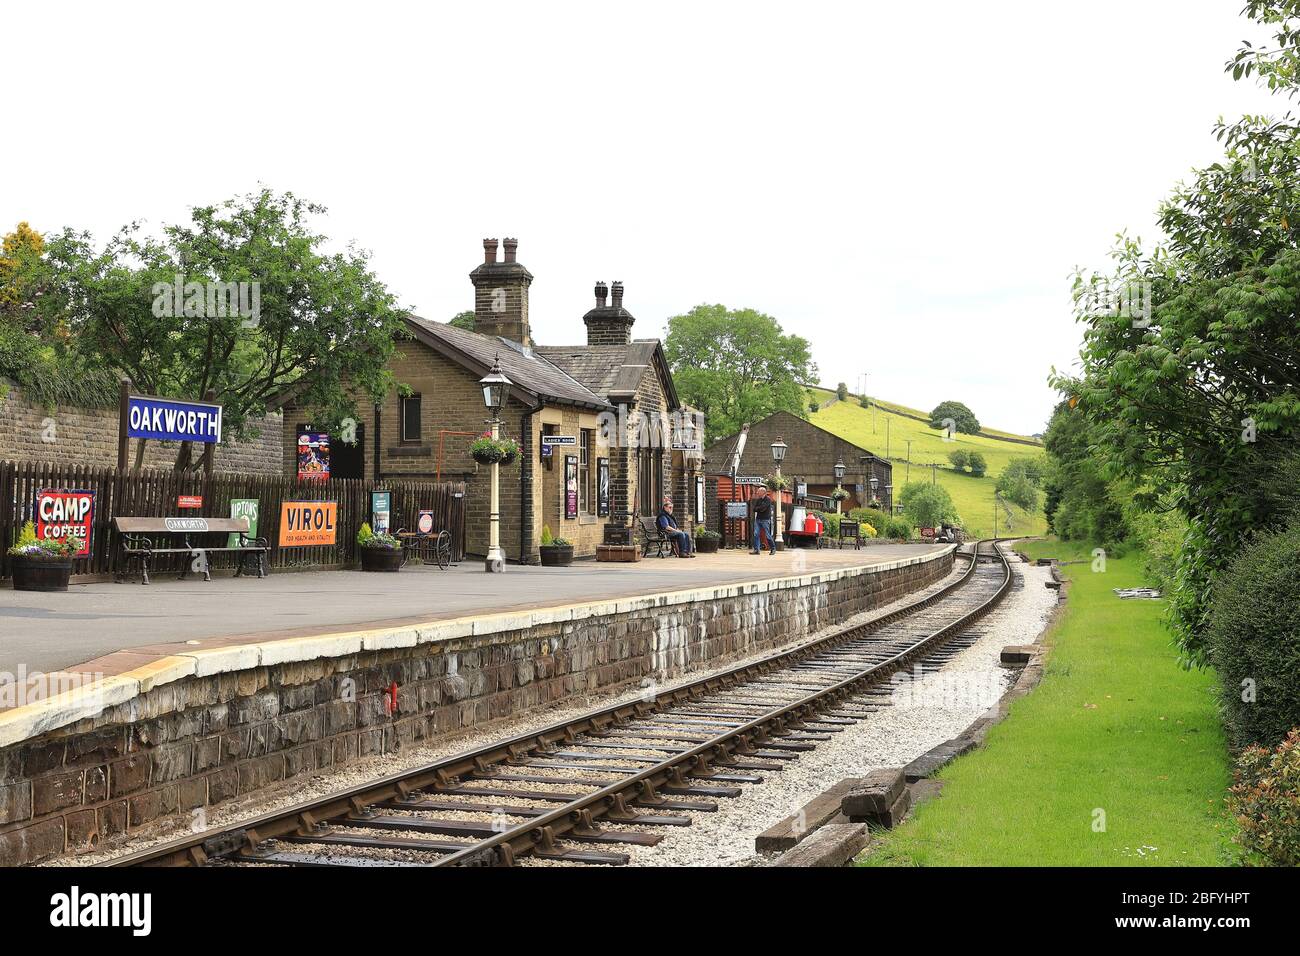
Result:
[[487, 450], [776, 482]]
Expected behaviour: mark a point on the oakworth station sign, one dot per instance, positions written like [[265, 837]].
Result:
[[166, 419]]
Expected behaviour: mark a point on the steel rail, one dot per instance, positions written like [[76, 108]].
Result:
[[300, 819]]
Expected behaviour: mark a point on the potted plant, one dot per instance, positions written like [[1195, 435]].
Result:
[[42, 565], [379, 552], [556, 552], [706, 540], [776, 482], [839, 494]]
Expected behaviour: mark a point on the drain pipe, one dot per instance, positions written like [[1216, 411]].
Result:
[[526, 466]]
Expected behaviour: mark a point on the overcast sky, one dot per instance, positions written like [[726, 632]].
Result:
[[907, 185]]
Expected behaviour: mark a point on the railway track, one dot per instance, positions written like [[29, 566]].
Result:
[[578, 791]]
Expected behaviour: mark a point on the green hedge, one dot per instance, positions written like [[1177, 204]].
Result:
[[1253, 642]]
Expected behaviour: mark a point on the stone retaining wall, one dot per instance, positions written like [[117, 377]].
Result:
[[202, 740]]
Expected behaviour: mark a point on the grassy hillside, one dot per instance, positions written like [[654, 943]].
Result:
[[889, 435]]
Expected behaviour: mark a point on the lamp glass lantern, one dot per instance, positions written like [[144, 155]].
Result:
[[875, 483], [778, 451], [494, 386], [839, 470]]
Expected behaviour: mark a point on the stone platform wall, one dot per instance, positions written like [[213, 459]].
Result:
[[202, 740]]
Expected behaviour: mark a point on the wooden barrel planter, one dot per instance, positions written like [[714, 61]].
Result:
[[41, 575], [707, 545], [381, 559], [556, 556]]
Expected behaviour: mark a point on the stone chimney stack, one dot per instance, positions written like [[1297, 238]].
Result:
[[609, 324], [501, 294]]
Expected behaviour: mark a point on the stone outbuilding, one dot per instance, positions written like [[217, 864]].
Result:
[[810, 457]]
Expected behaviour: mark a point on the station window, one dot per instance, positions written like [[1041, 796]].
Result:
[[586, 495], [409, 416]]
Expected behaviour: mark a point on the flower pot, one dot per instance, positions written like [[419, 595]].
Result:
[[508, 458], [706, 545], [487, 456], [41, 574], [556, 556], [381, 559]]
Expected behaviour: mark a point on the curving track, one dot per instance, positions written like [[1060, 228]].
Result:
[[626, 774]]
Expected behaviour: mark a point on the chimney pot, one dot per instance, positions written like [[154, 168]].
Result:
[[510, 246], [616, 290], [489, 251], [602, 291]]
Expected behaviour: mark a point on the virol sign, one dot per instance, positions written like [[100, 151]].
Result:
[[307, 523]]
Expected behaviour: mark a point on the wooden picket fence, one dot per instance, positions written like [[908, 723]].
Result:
[[150, 493]]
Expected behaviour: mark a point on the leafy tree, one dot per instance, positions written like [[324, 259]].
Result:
[[978, 466], [960, 459], [325, 326], [927, 505], [463, 320], [1019, 482], [842, 392], [963, 418], [1195, 396], [864, 402], [36, 347], [1081, 502], [737, 366]]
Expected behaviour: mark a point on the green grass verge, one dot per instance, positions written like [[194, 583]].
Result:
[[1116, 725], [887, 433]]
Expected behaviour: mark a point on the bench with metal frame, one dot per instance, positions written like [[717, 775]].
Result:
[[431, 547], [653, 536], [139, 544]]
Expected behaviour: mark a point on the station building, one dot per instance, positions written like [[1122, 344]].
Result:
[[602, 432], [811, 455]]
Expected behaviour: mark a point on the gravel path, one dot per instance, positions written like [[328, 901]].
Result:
[[890, 738]]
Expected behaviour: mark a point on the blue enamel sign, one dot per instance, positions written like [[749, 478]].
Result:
[[166, 419]]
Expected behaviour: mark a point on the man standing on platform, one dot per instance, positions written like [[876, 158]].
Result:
[[760, 519]]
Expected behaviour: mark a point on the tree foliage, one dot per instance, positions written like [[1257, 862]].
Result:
[[737, 366], [963, 418], [1020, 480], [842, 392], [978, 466], [324, 329], [927, 505], [463, 320]]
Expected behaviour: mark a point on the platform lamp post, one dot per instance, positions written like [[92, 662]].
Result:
[[889, 497], [839, 478], [875, 484], [778, 455], [495, 386]]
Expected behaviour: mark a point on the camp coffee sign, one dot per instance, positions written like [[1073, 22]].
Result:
[[166, 419], [62, 514]]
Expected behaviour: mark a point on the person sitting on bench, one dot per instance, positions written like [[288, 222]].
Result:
[[668, 525]]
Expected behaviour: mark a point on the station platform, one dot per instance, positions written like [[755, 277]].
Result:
[[108, 628]]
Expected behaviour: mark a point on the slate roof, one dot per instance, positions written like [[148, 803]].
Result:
[[528, 369], [612, 371]]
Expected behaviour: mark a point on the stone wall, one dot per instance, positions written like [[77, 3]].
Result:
[[203, 740], [71, 435]]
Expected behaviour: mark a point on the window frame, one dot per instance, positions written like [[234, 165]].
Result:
[[402, 403]]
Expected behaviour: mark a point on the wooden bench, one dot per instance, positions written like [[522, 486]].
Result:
[[138, 544], [652, 536], [852, 530]]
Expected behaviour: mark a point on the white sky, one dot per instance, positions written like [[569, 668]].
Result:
[[907, 185]]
